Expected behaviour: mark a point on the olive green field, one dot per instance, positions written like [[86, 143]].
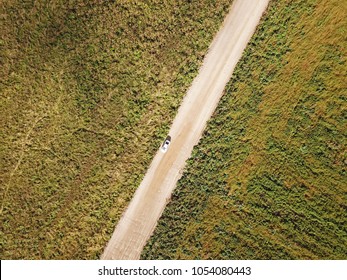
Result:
[[268, 179], [88, 92]]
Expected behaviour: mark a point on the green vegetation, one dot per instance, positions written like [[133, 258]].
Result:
[[268, 179], [88, 91]]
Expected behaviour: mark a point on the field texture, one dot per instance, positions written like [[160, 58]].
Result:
[[268, 179], [88, 91]]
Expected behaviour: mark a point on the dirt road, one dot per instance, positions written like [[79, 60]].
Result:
[[148, 203]]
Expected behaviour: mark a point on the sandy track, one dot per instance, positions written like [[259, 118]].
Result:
[[148, 203]]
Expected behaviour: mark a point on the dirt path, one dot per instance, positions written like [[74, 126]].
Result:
[[148, 203]]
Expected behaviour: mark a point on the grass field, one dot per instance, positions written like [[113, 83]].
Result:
[[88, 92], [268, 179]]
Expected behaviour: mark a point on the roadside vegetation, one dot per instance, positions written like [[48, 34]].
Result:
[[88, 92], [268, 179]]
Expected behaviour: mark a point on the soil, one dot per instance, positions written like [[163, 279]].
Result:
[[140, 218]]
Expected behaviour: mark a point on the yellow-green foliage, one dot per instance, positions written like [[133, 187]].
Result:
[[88, 91], [268, 179]]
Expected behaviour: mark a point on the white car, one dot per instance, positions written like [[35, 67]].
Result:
[[166, 144]]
